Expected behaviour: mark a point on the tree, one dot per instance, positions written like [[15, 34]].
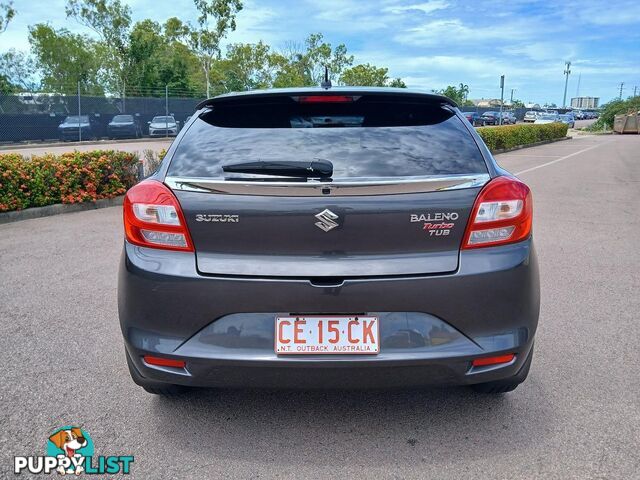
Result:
[[111, 20], [397, 83], [217, 18], [247, 66], [305, 65], [65, 59], [17, 72], [457, 94], [366, 75], [320, 54], [7, 13], [517, 103]]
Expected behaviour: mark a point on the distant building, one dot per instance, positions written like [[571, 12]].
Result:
[[532, 106], [585, 102]]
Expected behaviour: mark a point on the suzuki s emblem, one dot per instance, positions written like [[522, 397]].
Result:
[[327, 220]]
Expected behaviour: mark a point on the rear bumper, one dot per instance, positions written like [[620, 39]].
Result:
[[431, 326]]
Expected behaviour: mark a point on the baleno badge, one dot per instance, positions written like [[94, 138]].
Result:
[[327, 220]]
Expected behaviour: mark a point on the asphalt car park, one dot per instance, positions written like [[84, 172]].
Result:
[[576, 416]]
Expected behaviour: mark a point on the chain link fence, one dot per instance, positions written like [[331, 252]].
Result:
[[36, 117]]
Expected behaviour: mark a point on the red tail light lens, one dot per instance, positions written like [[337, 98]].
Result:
[[502, 213], [327, 99], [153, 218]]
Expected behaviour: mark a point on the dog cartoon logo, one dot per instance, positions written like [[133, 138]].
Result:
[[70, 451], [71, 443]]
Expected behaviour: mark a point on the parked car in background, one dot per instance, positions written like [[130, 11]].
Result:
[[474, 118], [75, 128], [547, 118], [578, 114], [530, 116], [509, 118], [124, 126], [568, 119], [163, 125], [490, 118]]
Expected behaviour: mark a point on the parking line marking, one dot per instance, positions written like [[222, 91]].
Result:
[[560, 159], [522, 156]]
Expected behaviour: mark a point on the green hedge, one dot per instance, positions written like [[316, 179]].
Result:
[[509, 136], [68, 178]]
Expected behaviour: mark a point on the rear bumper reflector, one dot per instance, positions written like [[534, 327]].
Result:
[[486, 361]]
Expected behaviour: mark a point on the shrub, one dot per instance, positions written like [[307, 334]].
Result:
[[152, 160], [509, 136], [67, 178], [613, 108]]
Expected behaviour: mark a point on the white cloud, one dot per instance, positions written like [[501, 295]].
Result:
[[603, 13], [425, 7], [541, 51], [455, 31]]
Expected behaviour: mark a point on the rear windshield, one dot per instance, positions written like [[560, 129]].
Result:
[[362, 139], [123, 118], [163, 119]]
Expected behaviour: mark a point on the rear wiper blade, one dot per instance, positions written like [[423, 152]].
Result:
[[291, 168]]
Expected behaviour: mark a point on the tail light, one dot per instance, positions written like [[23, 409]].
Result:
[[502, 214], [153, 218]]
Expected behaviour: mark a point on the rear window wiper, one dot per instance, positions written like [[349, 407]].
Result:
[[287, 168]]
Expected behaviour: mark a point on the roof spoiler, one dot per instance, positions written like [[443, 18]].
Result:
[[261, 94]]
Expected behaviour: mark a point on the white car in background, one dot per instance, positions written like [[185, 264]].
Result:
[[547, 118], [163, 126], [530, 116]]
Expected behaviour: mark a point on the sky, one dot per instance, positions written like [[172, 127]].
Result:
[[433, 43]]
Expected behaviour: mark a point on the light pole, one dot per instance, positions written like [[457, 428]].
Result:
[[501, 97], [166, 111], [79, 114], [567, 72]]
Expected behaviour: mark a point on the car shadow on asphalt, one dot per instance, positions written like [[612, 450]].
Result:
[[416, 425]]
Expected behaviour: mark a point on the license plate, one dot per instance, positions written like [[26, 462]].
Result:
[[322, 335]]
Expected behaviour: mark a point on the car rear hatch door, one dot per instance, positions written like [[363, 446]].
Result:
[[405, 176]]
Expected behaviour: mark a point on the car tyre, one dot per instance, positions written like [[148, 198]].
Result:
[[149, 386], [508, 384]]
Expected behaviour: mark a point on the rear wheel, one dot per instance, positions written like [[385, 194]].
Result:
[[155, 388], [508, 384]]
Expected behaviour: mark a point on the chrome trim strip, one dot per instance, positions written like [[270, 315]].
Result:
[[336, 188]]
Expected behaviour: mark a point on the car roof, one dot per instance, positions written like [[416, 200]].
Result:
[[386, 91]]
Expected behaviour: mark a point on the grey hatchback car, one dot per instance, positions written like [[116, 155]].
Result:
[[343, 237]]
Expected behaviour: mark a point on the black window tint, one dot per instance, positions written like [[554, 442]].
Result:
[[361, 139]]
